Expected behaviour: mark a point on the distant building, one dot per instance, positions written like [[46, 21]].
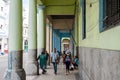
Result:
[[25, 29], [4, 17], [4, 26]]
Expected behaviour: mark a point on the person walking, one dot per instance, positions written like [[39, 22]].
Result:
[[42, 61], [67, 60], [54, 60]]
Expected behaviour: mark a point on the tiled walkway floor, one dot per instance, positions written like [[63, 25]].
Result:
[[51, 76], [48, 76]]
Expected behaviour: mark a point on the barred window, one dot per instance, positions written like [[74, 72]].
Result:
[[84, 19], [112, 14]]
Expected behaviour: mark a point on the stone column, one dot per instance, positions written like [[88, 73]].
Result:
[[32, 66], [48, 38], [15, 69], [51, 38], [41, 28]]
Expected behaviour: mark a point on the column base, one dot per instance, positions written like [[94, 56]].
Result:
[[32, 68], [18, 74]]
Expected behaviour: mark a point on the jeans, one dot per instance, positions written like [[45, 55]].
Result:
[[67, 65], [43, 69], [55, 67]]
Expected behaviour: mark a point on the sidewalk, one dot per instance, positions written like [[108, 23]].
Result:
[[51, 76], [48, 76]]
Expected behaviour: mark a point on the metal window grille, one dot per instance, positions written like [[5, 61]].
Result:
[[112, 13], [84, 19]]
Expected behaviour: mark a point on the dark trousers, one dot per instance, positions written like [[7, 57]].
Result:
[[43, 69], [75, 65], [67, 65], [55, 67]]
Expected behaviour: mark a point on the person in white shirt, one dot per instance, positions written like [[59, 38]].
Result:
[[54, 60]]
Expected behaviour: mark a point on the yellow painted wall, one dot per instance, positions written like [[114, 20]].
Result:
[[109, 39], [79, 26], [60, 10], [60, 7], [59, 2], [76, 27]]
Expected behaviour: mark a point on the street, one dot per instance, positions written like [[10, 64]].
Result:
[[3, 65]]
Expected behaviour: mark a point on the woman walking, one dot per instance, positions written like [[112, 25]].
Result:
[[67, 60]]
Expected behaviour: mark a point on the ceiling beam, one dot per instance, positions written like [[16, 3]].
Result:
[[63, 24], [59, 2], [60, 7], [60, 10]]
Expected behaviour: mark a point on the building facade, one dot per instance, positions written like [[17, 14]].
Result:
[[4, 26], [4, 17], [95, 29], [99, 48], [25, 29]]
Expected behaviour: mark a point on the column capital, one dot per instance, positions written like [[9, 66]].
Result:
[[41, 6]]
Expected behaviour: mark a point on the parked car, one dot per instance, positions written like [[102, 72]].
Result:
[[1, 53]]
